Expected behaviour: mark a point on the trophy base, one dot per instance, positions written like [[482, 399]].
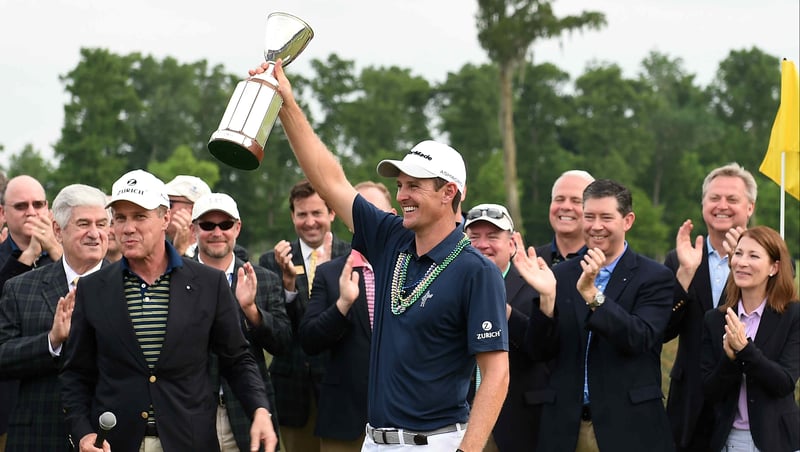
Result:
[[236, 149]]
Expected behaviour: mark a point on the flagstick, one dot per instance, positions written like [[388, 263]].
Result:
[[783, 190]]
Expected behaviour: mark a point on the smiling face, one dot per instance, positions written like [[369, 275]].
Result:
[[604, 226], [494, 243], [85, 237], [751, 265], [725, 204], [216, 243], [566, 206], [312, 219], [421, 203]]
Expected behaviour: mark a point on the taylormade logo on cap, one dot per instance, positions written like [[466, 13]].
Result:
[[426, 160]]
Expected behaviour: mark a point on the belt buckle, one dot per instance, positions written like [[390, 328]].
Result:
[[419, 439], [383, 432]]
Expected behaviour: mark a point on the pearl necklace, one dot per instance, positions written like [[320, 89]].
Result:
[[400, 303]]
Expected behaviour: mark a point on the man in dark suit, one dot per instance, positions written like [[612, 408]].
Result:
[[566, 218], [345, 330], [141, 335], [297, 376], [216, 226], [35, 318], [30, 243], [701, 270], [604, 329], [490, 230]]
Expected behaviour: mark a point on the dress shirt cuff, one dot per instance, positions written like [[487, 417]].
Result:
[[290, 295], [54, 352]]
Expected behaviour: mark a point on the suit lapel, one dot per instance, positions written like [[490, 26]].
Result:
[[298, 260], [118, 314], [181, 300], [766, 326], [701, 283], [54, 285], [623, 273]]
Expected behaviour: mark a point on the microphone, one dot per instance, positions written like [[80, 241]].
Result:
[[107, 422]]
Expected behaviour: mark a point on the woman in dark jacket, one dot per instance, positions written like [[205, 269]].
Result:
[[751, 350]]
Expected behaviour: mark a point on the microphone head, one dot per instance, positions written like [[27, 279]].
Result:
[[108, 420]]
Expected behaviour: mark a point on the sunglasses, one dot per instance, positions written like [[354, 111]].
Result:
[[209, 225], [23, 205], [490, 212]]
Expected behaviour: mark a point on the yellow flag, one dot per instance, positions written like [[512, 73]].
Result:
[[785, 136]]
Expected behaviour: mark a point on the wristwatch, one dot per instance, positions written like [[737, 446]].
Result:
[[597, 301]]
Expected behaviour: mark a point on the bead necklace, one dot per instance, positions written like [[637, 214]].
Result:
[[400, 303]]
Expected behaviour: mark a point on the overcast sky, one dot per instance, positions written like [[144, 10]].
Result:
[[40, 40]]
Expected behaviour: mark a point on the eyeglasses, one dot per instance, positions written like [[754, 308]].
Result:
[[491, 212], [23, 205], [209, 226]]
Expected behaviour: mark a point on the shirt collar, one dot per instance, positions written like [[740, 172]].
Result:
[[439, 252], [759, 311], [174, 260], [72, 274]]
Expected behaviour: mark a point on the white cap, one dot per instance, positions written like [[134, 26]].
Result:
[[141, 188], [426, 160], [189, 186], [491, 213], [215, 201]]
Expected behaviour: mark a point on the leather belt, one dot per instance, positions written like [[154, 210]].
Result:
[[586, 413], [150, 429], [402, 436]]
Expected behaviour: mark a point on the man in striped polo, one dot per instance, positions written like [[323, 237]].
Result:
[[141, 334]]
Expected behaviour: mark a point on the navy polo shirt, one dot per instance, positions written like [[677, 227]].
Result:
[[421, 361]]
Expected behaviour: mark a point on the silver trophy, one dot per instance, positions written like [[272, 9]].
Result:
[[239, 141]]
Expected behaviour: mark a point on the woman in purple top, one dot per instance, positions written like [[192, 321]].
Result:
[[751, 349]]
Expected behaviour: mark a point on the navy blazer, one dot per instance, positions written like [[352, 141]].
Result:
[[772, 364], [690, 420], [27, 308], [297, 376], [624, 358], [105, 369], [343, 393], [517, 426]]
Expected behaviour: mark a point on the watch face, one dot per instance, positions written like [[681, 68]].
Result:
[[599, 298]]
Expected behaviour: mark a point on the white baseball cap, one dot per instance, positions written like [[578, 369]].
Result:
[[215, 201], [191, 187], [491, 213], [426, 160], [141, 188]]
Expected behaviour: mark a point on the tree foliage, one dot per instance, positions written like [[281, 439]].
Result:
[[659, 132]]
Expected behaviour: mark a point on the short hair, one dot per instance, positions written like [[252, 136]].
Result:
[[571, 173], [780, 287], [733, 170], [303, 190], [377, 186], [605, 188], [438, 183], [76, 195]]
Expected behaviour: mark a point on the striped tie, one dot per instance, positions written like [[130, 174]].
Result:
[[369, 284]]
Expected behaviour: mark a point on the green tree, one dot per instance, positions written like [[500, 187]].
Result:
[[31, 162], [183, 161], [507, 29]]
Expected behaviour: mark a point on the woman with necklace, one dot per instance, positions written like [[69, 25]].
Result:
[[751, 349]]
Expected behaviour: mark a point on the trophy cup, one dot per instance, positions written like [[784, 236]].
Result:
[[240, 138]]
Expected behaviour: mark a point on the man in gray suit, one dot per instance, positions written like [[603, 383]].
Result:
[[35, 317]]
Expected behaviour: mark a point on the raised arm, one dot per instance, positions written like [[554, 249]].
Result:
[[317, 162]]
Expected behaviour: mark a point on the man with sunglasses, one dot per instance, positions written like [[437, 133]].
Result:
[[265, 324], [491, 231], [141, 336], [31, 243], [440, 305]]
